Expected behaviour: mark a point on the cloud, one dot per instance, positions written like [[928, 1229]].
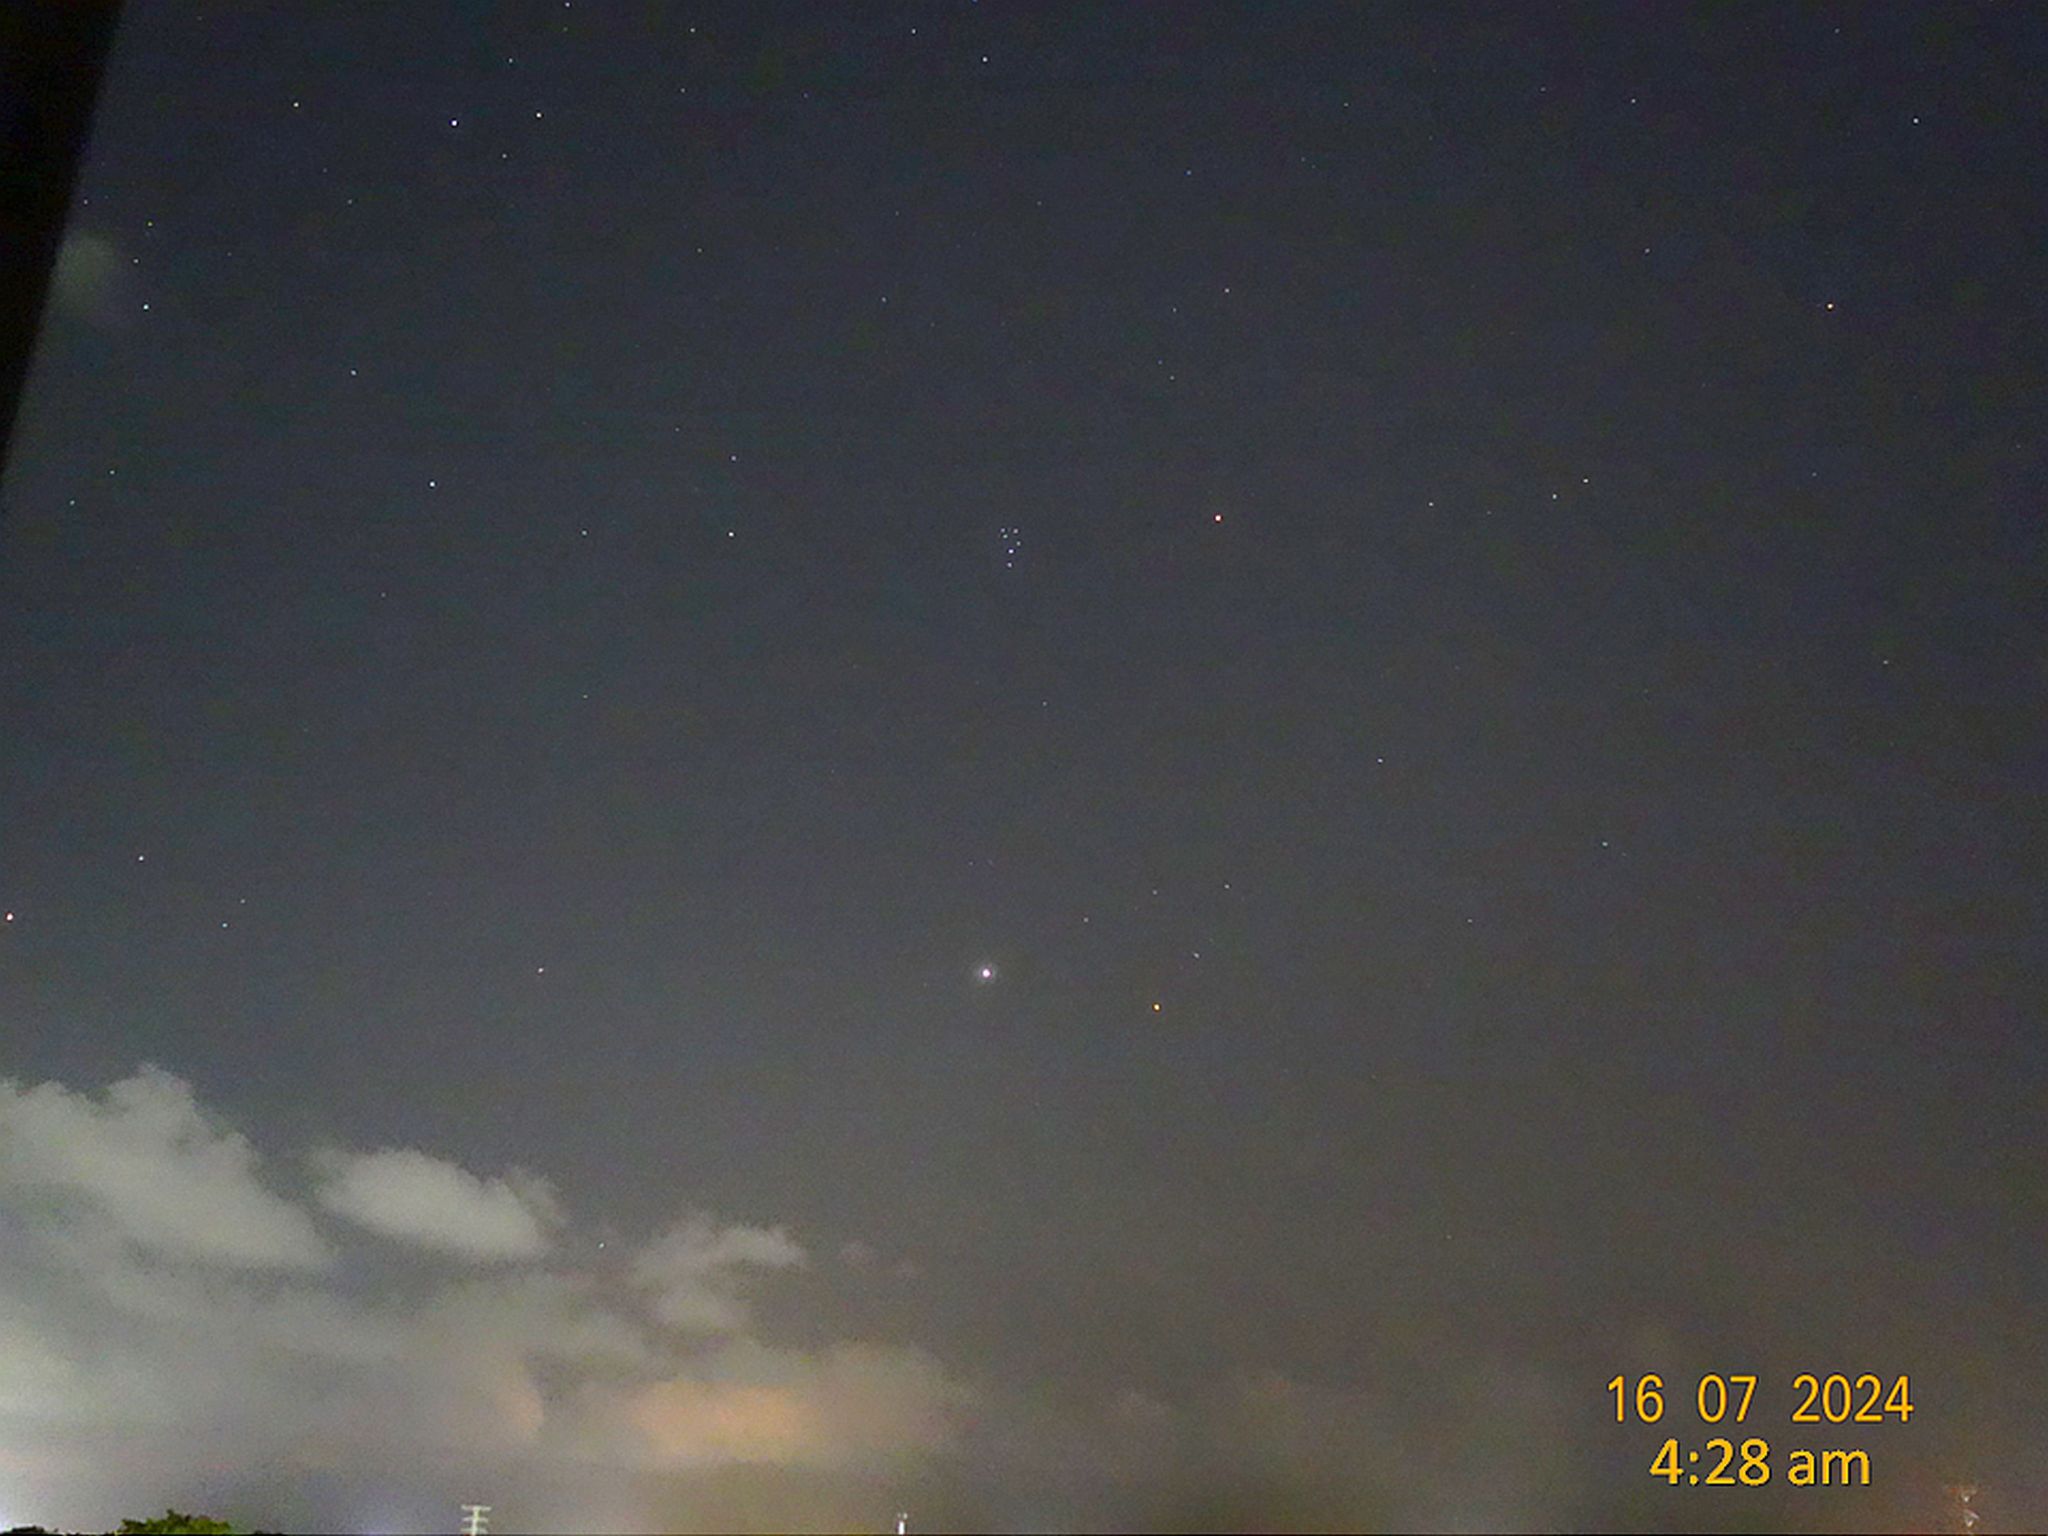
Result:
[[850, 1405], [90, 280], [695, 1270], [413, 1198], [173, 1330], [170, 1327], [148, 1164]]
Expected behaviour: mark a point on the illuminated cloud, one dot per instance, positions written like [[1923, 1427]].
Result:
[[168, 1325], [850, 1405], [167, 1322], [695, 1269], [413, 1198], [145, 1162]]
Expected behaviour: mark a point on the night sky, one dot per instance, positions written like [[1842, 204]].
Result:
[[1055, 765]]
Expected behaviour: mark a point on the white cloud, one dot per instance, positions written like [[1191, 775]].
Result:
[[403, 1194], [148, 1162], [695, 1269], [168, 1328], [276, 1358]]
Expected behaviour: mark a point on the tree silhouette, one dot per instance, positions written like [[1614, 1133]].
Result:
[[172, 1523]]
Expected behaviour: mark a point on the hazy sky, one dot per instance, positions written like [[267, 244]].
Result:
[[1127, 765]]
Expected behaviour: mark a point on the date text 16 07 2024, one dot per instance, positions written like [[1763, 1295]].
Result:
[[1832, 1399]]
